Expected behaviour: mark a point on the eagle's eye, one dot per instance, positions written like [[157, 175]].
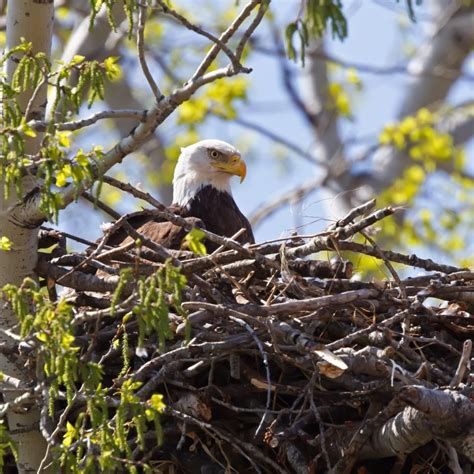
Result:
[[214, 154]]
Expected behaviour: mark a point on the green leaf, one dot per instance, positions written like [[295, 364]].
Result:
[[5, 244], [28, 131], [290, 48], [112, 69], [42, 337], [319, 15], [156, 402], [61, 179], [70, 435], [77, 59], [193, 240]]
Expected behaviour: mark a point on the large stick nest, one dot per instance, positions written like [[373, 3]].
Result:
[[279, 362]]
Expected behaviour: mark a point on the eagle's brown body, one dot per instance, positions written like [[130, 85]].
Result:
[[210, 209], [201, 195]]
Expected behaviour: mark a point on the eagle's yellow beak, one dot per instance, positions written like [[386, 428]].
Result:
[[233, 165]]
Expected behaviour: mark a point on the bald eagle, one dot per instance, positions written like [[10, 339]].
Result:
[[202, 194]]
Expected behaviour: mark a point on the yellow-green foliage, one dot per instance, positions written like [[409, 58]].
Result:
[[49, 324], [97, 439], [339, 92], [129, 7], [194, 241], [73, 82], [418, 136], [219, 97], [7, 445], [5, 244], [152, 312], [78, 78], [430, 150]]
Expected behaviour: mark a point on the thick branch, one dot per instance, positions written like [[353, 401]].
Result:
[[432, 414]]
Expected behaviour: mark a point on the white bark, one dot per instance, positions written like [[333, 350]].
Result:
[[433, 414], [330, 148], [32, 20]]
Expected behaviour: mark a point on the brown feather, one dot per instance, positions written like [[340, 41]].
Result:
[[210, 209]]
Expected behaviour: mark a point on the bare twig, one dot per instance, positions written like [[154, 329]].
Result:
[[141, 53], [41, 126], [294, 196], [463, 365], [267, 368], [224, 38], [218, 42]]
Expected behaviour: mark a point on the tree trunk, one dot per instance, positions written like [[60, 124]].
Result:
[[33, 21]]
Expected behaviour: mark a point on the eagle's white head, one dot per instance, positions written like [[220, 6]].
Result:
[[208, 162]]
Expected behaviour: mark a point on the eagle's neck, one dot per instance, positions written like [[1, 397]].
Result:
[[187, 186]]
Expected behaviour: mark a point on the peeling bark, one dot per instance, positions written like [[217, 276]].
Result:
[[445, 415]]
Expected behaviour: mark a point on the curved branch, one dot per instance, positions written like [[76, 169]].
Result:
[[224, 37], [432, 414]]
